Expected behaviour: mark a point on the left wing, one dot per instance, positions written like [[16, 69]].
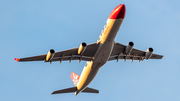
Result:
[[71, 54], [118, 52]]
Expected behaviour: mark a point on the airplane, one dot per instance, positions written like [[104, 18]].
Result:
[[96, 54]]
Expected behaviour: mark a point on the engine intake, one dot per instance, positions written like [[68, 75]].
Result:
[[148, 53], [129, 47], [50, 55], [82, 48]]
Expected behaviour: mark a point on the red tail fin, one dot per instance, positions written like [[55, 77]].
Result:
[[75, 78]]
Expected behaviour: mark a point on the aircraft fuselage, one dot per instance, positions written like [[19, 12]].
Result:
[[106, 43]]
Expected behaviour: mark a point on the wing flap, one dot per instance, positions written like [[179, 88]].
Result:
[[125, 57], [72, 58]]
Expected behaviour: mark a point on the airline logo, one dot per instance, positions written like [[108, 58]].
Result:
[[103, 32], [75, 78]]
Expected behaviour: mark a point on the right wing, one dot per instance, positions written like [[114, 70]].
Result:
[[71, 54], [118, 52]]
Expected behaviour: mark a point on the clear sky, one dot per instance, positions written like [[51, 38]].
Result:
[[33, 27]]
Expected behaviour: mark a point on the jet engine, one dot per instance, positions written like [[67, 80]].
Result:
[[50, 55], [148, 53], [129, 47], [82, 48]]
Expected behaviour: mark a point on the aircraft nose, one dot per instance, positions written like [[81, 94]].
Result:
[[118, 12]]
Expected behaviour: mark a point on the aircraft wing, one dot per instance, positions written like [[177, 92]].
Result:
[[118, 52], [71, 54]]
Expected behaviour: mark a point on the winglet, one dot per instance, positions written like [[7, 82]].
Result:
[[17, 59]]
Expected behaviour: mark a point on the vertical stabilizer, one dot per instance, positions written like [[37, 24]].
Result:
[[75, 78]]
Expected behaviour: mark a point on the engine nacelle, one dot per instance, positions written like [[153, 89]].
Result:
[[129, 47], [50, 55], [82, 48], [148, 53]]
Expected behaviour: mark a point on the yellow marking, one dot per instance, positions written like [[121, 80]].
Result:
[[80, 49], [84, 75], [110, 23], [48, 56]]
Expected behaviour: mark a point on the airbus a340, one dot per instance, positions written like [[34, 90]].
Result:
[[96, 54]]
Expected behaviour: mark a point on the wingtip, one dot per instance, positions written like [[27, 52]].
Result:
[[17, 59], [53, 93]]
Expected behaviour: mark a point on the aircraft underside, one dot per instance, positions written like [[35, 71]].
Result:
[[96, 54]]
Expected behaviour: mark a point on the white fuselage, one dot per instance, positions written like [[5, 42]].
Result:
[[106, 44]]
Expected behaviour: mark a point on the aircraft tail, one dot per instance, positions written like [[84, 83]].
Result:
[[74, 89], [75, 78]]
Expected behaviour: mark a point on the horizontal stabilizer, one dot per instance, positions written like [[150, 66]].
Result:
[[90, 90], [67, 90]]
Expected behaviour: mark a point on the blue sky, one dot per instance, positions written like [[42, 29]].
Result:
[[29, 28]]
